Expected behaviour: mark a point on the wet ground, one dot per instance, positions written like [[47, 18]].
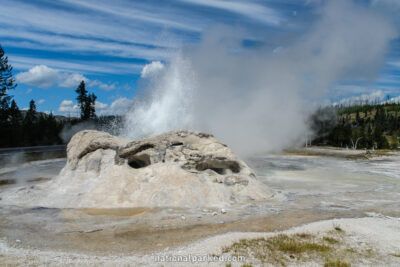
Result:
[[315, 188]]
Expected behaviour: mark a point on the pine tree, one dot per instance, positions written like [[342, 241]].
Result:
[[82, 100], [29, 129], [7, 82], [92, 105], [31, 114], [15, 114], [86, 102], [15, 129]]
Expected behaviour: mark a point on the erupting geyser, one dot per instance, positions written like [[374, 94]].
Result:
[[175, 169]]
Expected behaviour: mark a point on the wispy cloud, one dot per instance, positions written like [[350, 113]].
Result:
[[129, 11], [119, 28], [35, 40], [23, 62], [248, 9]]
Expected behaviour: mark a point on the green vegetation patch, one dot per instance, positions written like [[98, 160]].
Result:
[[337, 228], [299, 248], [278, 249], [330, 240], [336, 263]]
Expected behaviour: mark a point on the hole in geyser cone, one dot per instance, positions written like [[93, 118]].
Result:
[[218, 166], [139, 161]]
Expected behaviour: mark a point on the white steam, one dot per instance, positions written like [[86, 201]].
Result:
[[166, 104], [257, 100]]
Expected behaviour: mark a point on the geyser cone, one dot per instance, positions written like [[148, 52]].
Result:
[[175, 169]]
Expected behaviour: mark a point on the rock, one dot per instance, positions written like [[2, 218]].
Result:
[[223, 211], [175, 169]]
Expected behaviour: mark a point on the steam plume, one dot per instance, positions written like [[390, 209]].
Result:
[[258, 100]]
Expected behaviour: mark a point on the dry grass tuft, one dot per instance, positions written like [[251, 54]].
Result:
[[330, 240], [337, 263], [278, 249], [299, 248]]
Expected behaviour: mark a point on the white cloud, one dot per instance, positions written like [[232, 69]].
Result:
[[72, 80], [44, 77], [29, 91], [67, 102], [120, 106], [67, 106], [374, 97], [250, 10], [41, 101], [151, 69], [117, 107], [101, 108], [101, 105], [394, 100], [104, 86], [40, 76]]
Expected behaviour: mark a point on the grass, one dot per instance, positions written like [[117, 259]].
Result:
[[330, 240], [288, 244], [278, 248], [351, 250], [298, 248], [304, 235], [336, 263], [338, 229]]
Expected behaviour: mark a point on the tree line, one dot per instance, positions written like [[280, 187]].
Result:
[[358, 126], [31, 128]]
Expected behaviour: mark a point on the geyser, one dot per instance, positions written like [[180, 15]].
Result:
[[175, 169], [258, 99]]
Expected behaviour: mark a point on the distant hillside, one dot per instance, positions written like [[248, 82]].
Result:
[[358, 126], [59, 118]]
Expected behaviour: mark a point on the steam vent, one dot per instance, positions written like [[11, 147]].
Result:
[[175, 169]]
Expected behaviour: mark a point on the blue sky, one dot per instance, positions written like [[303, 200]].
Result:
[[53, 45]]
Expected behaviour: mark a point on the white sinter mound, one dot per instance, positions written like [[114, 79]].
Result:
[[175, 169]]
